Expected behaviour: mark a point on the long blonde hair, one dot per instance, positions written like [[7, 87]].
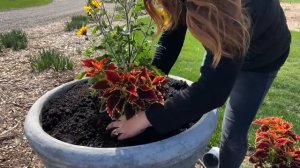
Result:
[[221, 26]]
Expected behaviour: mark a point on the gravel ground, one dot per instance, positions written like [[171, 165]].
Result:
[[292, 12], [20, 87], [36, 16]]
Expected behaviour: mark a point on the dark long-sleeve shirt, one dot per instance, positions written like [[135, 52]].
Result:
[[268, 50]]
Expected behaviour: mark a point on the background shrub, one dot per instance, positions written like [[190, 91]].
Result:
[[76, 22], [1, 46], [15, 39], [50, 59]]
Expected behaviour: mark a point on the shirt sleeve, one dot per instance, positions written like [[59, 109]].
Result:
[[169, 47], [209, 92]]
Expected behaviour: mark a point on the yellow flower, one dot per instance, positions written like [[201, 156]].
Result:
[[87, 9], [82, 31], [96, 3]]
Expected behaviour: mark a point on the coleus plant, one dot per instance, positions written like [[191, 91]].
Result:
[[275, 144], [126, 92]]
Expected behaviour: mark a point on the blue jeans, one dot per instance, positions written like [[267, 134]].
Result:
[[245, 98]]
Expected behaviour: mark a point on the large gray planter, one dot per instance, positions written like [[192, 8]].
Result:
[[180, 151]]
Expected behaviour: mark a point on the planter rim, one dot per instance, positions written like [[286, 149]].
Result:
[[199, 131]]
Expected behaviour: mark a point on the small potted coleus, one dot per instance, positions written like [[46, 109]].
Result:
[[120, 76], [275, 144], [125, 92]]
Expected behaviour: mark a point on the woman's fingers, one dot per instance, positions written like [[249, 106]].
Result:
[[113, 125], [115, 132], [122, 136], [124, 129]]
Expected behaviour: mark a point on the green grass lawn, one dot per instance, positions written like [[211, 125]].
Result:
[[283, 98], [290, 1], [16, 4]]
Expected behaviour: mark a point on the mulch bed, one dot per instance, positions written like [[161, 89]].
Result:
[[20, 88]]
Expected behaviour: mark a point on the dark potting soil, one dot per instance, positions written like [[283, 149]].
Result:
[[74, 117]]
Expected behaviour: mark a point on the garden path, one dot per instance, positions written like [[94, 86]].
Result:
[[58, 10], [292, 12]]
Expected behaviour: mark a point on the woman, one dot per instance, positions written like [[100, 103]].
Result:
[[246, 42]]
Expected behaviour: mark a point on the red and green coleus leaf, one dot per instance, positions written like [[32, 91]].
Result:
[[111, 66], [145, 87], [113, 76], [132, 90], [99, 64], [87, 63], [112, 90], [263, 145], [95, 66], [140, 103], [129, 78], [120, 106], [159, 80], [261, 153], [111, 103], [144, 77], [129, 111], [292, 135], [101, 85], [93, 63], [282, 142], [297, 158], [92, 73], [268, 121], [149, 95], [253, 159], [114, 103]]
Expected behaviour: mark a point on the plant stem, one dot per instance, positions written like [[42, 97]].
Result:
[[128, 29], [144, 39], [98, 19]]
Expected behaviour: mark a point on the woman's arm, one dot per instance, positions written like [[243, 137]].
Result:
[[209, 92], [170, 44]]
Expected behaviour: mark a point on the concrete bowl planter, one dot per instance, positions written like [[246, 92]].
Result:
[[179, 151]]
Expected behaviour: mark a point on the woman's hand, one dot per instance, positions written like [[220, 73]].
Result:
[[129, 128]]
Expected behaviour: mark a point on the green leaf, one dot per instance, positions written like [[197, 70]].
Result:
[[93, 92], [92, 80], [80, 75], [95, 29], [103, 56], [89, 51], [101, 47], [157, 70]]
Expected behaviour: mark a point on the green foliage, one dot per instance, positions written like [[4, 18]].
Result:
[[14, 4], [16, 39], [126, 43], [290, 1], [1, 46], [50, 59], [76, 22]]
